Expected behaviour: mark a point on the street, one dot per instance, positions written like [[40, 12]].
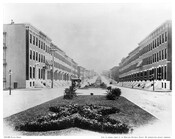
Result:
[[158, 104]]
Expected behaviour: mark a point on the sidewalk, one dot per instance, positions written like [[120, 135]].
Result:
[[23, 99], [158, 104]]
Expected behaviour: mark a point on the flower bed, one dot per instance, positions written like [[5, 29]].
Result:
[[89, 117]]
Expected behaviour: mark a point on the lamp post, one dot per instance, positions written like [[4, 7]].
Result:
[[10, 74], [153, 82], [52, 50]]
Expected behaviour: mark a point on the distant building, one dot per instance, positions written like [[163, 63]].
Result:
[[114, 73], [27, 52], [81, 72], [150, 64]]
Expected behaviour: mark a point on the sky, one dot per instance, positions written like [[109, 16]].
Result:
[[97, 36]]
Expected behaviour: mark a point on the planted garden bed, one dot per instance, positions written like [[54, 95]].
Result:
[[121, 115], [89, 117]]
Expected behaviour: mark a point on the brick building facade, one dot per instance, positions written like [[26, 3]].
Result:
[[149, 66]]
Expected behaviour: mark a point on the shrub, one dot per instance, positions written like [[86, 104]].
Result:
[[113, 93], [116, 91], [69, 93], [110, 96]]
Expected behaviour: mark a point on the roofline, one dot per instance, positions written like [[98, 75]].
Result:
[[28, 24], [167, 21]]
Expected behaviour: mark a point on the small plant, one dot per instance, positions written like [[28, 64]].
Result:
[[69, 93], [109, 88], [103, 85]]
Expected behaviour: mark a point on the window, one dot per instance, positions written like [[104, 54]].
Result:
[[30, 72], [153, 58], [33, 40], [162, 55], [157, 56], [33, 72], [39, 73], [165, 71], [166, 37], [30, 54], [162, 72], [39, 58], [33, 55], [30, 38], [36, 41], [36, 56], [158, 41], [44, 59], [44, 47], [39, 43], [151, 46], [165, 53], [155, 43], [162, 38]]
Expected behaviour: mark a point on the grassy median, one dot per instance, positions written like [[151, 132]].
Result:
[[130, 114]]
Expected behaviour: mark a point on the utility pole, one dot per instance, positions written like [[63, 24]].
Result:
[[153, 83], [52, 68]]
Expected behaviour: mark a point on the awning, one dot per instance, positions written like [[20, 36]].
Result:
[[140, 63]]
